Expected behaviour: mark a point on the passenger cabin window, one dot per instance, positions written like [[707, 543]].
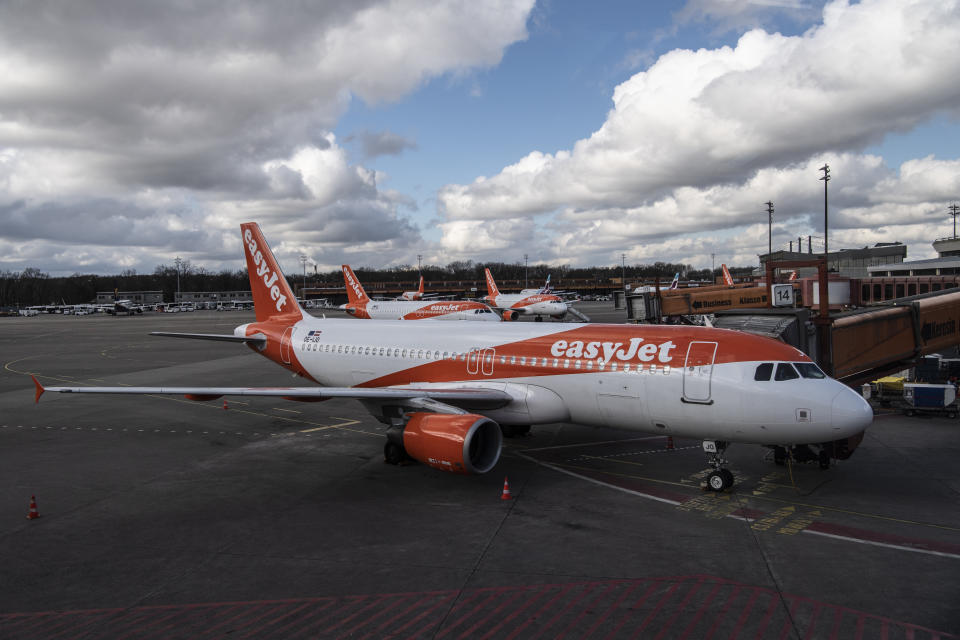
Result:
[[785, 371], [762, 374], [809, 370]]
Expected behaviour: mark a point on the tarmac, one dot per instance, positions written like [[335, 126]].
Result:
[[162, 517]]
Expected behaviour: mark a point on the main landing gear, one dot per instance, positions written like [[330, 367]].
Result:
[[720, 478]]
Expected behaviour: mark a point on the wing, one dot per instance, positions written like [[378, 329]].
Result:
[[455, 397], [255, 339]]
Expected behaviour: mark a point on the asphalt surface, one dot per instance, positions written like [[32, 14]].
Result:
[[161, 517]]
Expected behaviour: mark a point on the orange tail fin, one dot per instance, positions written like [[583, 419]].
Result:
[[727, 278], [492, 291], [272, 296], [355, 292]]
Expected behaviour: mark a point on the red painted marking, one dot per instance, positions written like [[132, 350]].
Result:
[[526, 603], [738, 625], [270, 623], [835, 629], [700, 612], [726, 606], [463, 618], [656, 609], [817, 608], [312, 614], [774, 601], [649, 592], [680, 609], [440, 602], [860, 624], [583, 611], [613, 607], [536, 616], [788, 623], [589, 588]]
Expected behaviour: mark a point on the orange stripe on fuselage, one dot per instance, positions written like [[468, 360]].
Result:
[[650, 345]]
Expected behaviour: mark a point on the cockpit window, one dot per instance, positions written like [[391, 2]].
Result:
[[763, 372], [809, 370], [785, 371]]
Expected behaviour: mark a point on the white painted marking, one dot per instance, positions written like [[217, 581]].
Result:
[[883, 544]]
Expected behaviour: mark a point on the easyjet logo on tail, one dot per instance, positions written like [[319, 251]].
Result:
[[491, 285], [269, 277], [353, 285]]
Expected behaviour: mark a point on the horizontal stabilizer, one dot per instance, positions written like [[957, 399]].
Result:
[[255, 339]]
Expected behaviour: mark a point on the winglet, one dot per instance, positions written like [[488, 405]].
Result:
[[39, 389]]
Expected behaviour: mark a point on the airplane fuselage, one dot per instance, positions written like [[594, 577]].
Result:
[[681, 381]]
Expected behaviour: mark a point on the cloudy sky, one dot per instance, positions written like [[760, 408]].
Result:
[[374, 131]]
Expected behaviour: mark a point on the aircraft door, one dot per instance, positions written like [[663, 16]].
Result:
[[480, 361], [285, 345], [698, 371]]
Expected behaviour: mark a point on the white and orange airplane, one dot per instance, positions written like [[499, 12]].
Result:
[[361, 306], [444, 392], [512, 305], [418, 294]]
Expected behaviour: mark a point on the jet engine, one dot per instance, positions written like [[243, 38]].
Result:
[[457, 443], [509, 314]]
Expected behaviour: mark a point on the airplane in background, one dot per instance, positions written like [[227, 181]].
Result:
[[512, 305], [444, 393], [727, 278], [418, 294], [361, 306], [674, 284]]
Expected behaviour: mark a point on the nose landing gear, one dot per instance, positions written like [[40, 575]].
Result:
[[720, 478]]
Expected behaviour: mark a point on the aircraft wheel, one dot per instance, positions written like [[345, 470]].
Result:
[[951, 414], [727, 478], [523, 430], [716, 481], [538, 319], [393, 453], [824, 459]]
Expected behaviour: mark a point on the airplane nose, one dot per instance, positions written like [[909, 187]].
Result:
[[850, 413]]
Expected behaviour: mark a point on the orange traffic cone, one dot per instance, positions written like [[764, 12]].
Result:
[[33, 513], [669, 442], [506, 490], [225, 407]]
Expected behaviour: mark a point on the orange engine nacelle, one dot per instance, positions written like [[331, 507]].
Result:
[[509, 314], [462, 443]]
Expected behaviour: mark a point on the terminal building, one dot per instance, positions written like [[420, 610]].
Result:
[[211, 298], [852, 263], [148, 298]]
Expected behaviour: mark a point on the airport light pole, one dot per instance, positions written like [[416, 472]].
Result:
[[954, 211], [419, 263], [526, 267], [303, 261], [826, 178], [177, 261], [623, 271], [769, 228]]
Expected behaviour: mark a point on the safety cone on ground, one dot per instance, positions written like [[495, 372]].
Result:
[[225, 407], [506, 490], [669, 442], [33, 513]]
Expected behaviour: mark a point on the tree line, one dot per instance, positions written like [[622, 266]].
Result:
[[34, 287]]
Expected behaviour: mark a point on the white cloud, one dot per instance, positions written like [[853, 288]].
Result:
[[111, 112], [696, 143]]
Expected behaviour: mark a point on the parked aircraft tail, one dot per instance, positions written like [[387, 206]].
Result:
[[273, 299], [355, 292], [492, 291], [727, 278]]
